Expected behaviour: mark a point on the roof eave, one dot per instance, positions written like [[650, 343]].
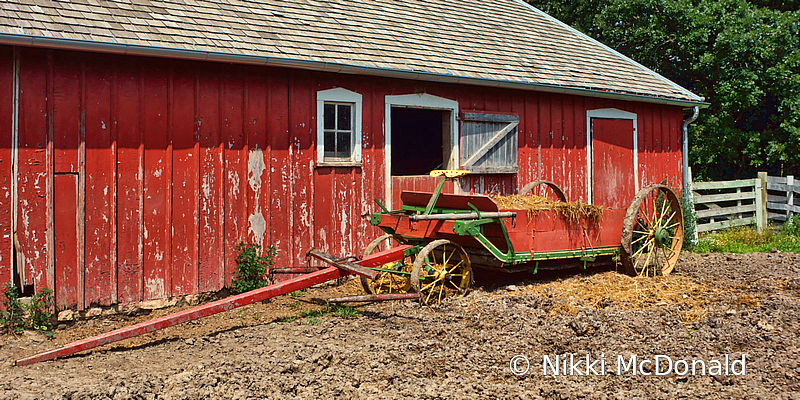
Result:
[[152, 51]]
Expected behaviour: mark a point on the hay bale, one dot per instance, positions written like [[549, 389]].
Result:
[[573, 210]]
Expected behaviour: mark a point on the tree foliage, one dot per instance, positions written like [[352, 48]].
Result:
[[742, 56]]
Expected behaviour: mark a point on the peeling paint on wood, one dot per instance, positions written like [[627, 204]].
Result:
[[178, 161]]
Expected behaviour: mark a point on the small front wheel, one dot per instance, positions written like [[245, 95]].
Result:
[[397, 281], [441, 269], [652, 232]]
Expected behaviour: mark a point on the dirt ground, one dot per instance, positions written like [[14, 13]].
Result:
[[714, 305]]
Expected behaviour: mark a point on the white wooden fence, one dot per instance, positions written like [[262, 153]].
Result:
[[725, 204]]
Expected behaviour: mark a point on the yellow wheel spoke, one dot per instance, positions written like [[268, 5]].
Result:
[[637, 240], [456, 286], [647, 244], [429, 285], [447, 260], [455, 266], [649, 254]]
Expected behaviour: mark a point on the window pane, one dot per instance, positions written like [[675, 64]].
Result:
[[344, 117], [330, 116], [343, 145], [330, 142]]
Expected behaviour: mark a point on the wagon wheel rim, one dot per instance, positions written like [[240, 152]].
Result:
[[545, 189], [652, 232], [441, 269], [387, 282]]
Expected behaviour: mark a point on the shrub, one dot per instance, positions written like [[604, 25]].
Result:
[[11, 320], [39, 310], [251, 267]]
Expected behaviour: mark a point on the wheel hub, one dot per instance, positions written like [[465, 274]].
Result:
[[662, 236]]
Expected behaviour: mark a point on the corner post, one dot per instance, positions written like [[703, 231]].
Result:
[[761, 201], [789, 196]]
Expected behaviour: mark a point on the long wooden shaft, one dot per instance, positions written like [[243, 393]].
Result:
[[215, 307]]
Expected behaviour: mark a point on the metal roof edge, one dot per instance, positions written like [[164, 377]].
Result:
[[700, 99], [199, 55]]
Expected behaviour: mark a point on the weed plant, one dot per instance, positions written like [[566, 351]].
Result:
[[39, 311], [251, 267]]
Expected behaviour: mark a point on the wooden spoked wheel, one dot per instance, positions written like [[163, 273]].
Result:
[[441, 269], [652, 232], [388, 282], [545, 189]]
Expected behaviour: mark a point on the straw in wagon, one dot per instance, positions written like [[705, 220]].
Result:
[[572, 210]]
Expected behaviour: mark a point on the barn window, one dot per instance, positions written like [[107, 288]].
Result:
[[338, 128], [489, 143]]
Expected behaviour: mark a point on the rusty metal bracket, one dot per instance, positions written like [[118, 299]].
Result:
[[343, 264]]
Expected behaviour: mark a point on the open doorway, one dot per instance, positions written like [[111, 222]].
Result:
[[419, 137], [421, 134]]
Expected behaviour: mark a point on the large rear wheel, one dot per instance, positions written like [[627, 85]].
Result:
[[652, 232], [545, 189], [441, 269]]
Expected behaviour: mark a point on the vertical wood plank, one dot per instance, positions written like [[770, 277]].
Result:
[[129, 184], [157, 174], [65, 224], [303, 128], [185, 165], [324, 221], [32, 167], [66, 143], [100, 167], [280, 168], [210, 196], [66, 114], [579, 185], [234, 213], [258, 162], [6, 154]]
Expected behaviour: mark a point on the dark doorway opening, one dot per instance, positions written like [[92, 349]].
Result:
[[418, 140]]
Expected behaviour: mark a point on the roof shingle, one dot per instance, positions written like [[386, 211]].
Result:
[[494, 40]]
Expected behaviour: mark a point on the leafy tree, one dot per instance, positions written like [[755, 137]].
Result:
[[743, 57]]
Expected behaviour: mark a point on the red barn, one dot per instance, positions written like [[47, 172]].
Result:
[[140, 141]]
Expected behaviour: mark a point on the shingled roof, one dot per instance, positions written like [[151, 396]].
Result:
[[486, 42]]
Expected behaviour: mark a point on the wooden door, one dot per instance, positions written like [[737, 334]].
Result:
[[613, 178]]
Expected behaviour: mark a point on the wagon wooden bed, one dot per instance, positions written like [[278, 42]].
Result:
[[451, 234]]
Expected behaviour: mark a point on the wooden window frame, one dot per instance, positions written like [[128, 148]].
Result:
[[339, 96]]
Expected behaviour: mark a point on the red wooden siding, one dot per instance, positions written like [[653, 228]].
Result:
[[170, 164], [6, 156]]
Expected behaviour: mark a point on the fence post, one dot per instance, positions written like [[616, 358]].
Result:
[[695, 236], [789, 196], [761, 201]]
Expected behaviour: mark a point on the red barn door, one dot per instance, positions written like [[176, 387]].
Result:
[[613, 177]]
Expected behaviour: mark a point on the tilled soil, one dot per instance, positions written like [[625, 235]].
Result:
[[714, 305]]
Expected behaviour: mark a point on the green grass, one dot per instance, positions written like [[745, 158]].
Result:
[[312, 317], [747, 239]]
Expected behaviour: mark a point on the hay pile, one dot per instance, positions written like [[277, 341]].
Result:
[[573, 210], [615, 290]]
